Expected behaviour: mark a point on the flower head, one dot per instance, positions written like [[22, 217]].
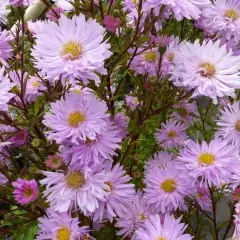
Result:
[[54, 161], [121, 121], [20, 138], [203, 197], [17, 3], [25, 191], [64, 5], [5, 48], [4, 11], [213, 163], [52, 13], [132, 102], [111, 23], [76, 54]]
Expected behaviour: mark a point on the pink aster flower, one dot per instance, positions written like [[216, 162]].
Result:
[[145, 61], [161, 41], [203, 197], [25, 191], [76, 54], [78, 189], [76, 118], [222, 18], [54, 161], [91, 152], [165, 189], [17, 3], [137, 212], [52, 15], [4, 11], [5, 48], [3, 179], [159, 160], [20, 138], [171, 134], [111, 23], [170, 229], [132, 102], [236, 194], [5, 87], [120, 195], [59, 226], [208, 69], [229, 124], [121, 121], [213, 163]]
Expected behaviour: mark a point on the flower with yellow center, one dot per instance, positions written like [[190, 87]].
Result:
[[63, 234], [73, 50], [74, 180], [237, 125], [171, 57], [150, 57], [28, 192], [161, 238], [206, 158], [110, 186], [35, 83], [210, 69], [75, 119], [172, 134], [168, 185], [232, 14]]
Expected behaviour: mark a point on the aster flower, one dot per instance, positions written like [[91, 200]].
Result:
[[54, 161], [159, 160], [111, 23], [121, 121], [229, 124], [52, 14], [76, 54], [25, 191], [5, 48], [213, 163], [203, 197], [59, 226], [20, 138], [64, 4], [3, 179], [17, 3], [5, 87], [236, 233], [190, 9], [132, 102], [75, 190], [145, 61], [236, 194], [222, 18], [121, 193], [161, 41], [76, 118], [137, 212], [165, 189], [91, 152], [4, 11], [208, 69], [170, 229], [171, 134]]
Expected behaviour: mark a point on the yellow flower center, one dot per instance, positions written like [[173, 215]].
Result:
[[63, 234], [210, 69], [72, 49], [207, 158], [150, 57], [28, 192], [78, 91], [169, 185], [85, 237], [232, 14], [35, 83], [171, 57], [134, 1], [74, 180], [75, 118], [142, 217], [110, 186], [237, 125], [172, 134], [161, 238]]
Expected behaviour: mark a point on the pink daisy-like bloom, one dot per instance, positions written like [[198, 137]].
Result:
[[5, 87], [91, 152], [159, 160], [171, 134], [59, 226], [236, 194], [121, 121], [190, 9], [165, 189], [63, 50], [4, 11], [222, 18], [169, 229], [229, 124], [208, 69], [25, 191], [77, 189], [111, 23], [20, 138], [3, 179], [132, 102], [54, 161], [145, 61], [17, 3], [76, 118], [121, 193], [52, 14], [203, 197], [5, 48], [137, 212], [213, 163]]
